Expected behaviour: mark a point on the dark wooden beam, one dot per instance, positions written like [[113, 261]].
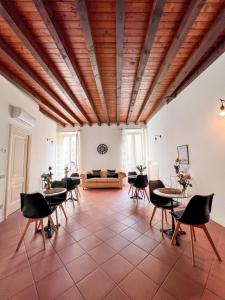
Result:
[[120, 18], [16, 60], [44, 8], [50, 116], [31, 93], [83, 13], [156, 12], [190, 16], [9, 13], [214, 32]]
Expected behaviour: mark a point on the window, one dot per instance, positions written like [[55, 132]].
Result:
[[133, 149], [68, 153]]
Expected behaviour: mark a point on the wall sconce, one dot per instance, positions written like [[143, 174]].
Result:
[[157, 136], [222, 108]]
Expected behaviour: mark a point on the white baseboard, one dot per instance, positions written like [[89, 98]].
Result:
[[218, 220], [2, 217]]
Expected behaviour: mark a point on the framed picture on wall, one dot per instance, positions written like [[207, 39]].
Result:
[[183, 154]]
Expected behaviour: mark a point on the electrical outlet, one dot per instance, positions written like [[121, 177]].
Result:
[[2, 176]]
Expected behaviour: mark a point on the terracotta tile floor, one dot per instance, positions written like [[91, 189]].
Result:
[[107, 250]]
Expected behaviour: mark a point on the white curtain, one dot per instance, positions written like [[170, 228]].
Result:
[[68, 153], [134, 148]]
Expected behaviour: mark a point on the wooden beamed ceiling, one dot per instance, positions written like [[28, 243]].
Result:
[[107, 61]]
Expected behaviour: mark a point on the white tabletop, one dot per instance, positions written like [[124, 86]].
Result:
[[75, 178], [182, 195]]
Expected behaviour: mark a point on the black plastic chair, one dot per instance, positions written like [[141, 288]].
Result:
[[35, 208], [140, 185], [70, 186], [55, 201], [196, 214], [160, 202], [131, 180], [77, 183]]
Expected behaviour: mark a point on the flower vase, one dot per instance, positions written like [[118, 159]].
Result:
[[48, 184], [184, 189]]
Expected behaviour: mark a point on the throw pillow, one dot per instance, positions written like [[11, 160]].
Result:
[[96, 173]]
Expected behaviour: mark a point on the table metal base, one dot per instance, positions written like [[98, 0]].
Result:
[[48, 230], [169, 232]]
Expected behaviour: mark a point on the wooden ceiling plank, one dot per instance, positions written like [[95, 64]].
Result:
[[120, 20], [215, 30], [50, 116], [85, 22], [8, 12], [190, 16], [31, 93], [213, 55], [53, 26], [25, 68], [154, 19]]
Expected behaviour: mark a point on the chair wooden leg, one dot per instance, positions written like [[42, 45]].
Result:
[[36, 226], [23, 234], [192, 247], [153, 213], [193, 231], [166, 215], [52, 223], [175, 233], [211, 242], [63, 210], [146, 194], [129, 189], [162, 223], [43, 233], [56, 216]]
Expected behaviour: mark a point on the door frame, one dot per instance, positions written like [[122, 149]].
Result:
[[12, 130]]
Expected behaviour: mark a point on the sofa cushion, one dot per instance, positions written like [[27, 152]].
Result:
[[96, 173], [102, 180]]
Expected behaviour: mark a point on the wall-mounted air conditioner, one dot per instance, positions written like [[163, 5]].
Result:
[[22, 116]]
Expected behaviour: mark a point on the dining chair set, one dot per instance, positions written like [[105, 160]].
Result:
[[195, 215], [36, 207]]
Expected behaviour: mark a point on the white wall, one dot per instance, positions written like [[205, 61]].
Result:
[[91, 137], [42, 152], [192, 118]]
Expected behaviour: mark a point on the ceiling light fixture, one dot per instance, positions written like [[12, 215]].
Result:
[[222, 108]]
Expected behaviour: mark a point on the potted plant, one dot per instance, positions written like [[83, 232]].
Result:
[[141, 169], [184, 180], [47, 178]]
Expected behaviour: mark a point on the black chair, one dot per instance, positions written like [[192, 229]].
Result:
[[140, 185], [196, 214], [35, 208], [77, 183], [55, 201], [160, 202], [70, 186], [131, 180]]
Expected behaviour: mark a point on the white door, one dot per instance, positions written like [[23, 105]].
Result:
[[17, 167]]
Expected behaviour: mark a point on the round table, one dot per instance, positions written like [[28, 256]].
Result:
[[169, 232], [48, 194], [54, 192]]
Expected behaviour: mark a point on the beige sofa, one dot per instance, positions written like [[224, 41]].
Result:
[[103, 182]]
